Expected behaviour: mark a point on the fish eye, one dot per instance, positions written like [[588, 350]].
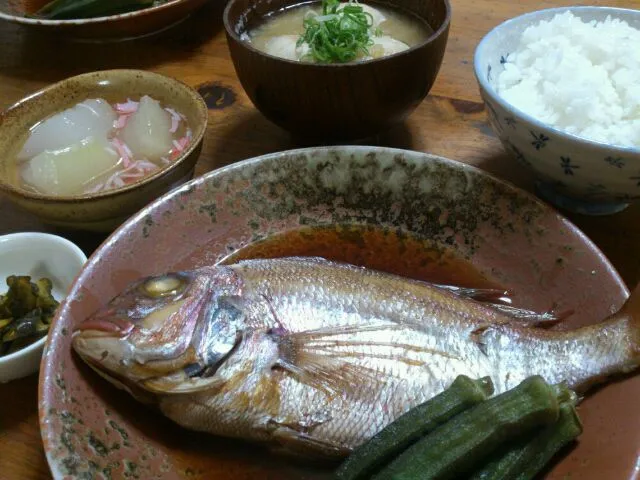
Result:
[[164, 286]]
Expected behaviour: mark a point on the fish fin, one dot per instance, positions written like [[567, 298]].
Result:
[[326, 358], [499, 299], [306, 356], [297, 443], [479, 294], [327, 374], [530, 318], [305, 424], [476, 337], [295, 436]]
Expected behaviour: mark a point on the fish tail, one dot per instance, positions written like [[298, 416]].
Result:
[[618, 337], [599, 351], [630, 315]]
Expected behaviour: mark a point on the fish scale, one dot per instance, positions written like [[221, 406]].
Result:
[[314, 357]]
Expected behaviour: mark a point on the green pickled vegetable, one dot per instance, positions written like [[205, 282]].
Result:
[[70, 9], [527, 459], [404, 431], [26, 311], [44, 299], [21, 297], [458, 447], [4, 307]]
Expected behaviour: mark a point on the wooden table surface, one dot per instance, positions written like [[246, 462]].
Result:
[[450, 122]]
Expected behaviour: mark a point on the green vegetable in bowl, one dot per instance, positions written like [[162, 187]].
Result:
[[26, 311], [339, 34], [70, 9]]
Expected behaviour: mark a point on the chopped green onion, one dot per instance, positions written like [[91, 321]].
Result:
[[340, 34]]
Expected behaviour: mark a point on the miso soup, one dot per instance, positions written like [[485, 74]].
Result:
[[332, 32]]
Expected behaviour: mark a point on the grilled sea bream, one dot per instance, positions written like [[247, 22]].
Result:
[[315, 357]]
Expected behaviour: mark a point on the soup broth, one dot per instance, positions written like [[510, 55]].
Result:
[[374, 248], [392, 31]]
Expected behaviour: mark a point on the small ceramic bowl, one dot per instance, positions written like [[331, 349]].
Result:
[[102, 211], [113, 27], [348, 101], [37, 255], [573, 173]]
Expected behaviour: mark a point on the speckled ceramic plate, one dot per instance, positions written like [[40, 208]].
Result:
[[91, 430]]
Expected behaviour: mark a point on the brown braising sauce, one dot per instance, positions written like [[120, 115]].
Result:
[[371, 247]]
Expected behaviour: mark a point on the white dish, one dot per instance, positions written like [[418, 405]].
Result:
[[38, 255], [574, 173]]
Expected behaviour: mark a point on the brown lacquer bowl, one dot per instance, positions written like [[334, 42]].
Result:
[[92, 430], [336, 101]]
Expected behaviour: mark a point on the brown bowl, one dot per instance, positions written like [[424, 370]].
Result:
[[125, 25], [340, 101], [101, 211]]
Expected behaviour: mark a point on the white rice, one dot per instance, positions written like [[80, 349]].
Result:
[[580, 77]]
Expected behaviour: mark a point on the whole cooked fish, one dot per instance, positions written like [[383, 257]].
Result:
[[315, 357]]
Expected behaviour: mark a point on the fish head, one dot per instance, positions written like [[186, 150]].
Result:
[[162, 330]]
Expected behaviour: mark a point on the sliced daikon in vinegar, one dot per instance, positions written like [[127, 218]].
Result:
[[91, 118], [147, 132], [69, 171]]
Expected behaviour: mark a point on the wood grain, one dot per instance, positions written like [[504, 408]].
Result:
[[450, 122]]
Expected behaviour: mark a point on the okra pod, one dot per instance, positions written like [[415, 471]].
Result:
[[365, 460], [526, 460], [457, 447]]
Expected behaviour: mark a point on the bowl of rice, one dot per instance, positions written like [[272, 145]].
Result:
[[562, 91]]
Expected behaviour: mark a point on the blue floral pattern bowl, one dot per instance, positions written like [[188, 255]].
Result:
[[571, 172]]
